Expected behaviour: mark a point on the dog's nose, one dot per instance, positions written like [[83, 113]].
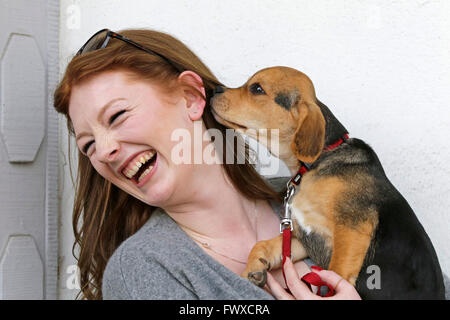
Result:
[[218, 89]]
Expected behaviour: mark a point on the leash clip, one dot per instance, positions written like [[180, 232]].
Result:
[[285, 224], [286, 221]]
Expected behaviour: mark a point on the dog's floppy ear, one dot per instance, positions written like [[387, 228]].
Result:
[[309, 137]]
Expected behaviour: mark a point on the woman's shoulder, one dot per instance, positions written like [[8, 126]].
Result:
[[153, 235], [149, 239], [160, 261], [141, 267], [278, 183]]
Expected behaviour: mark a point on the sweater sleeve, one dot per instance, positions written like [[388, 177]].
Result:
[[132, 275]]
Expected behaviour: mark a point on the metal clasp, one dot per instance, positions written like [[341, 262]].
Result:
[[286, 221]]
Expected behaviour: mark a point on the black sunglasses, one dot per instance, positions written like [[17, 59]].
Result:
[[101, 39]]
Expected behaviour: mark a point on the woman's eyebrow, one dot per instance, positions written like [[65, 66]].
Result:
[[100, 115]]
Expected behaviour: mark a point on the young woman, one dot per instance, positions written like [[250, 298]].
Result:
[[147, 226]]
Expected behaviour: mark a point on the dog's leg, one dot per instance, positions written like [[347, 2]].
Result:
[[349, 249], [267, 255]]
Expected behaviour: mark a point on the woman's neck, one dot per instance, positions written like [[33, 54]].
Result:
[[211, 208]]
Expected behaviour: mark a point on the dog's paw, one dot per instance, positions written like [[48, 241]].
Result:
[[256, 272], [258, 278]]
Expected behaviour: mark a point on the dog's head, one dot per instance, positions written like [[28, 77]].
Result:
[[276, 98]]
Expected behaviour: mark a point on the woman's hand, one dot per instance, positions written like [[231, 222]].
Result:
[[300, 291]]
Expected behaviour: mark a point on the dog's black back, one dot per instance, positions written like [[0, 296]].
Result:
[[408, 264], [400, 250]]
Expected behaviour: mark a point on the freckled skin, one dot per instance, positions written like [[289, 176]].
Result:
[[148, 123]]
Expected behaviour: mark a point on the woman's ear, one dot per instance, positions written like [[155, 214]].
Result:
[[309, 137], [194, 93]]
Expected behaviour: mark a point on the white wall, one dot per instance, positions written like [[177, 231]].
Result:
[[383, 67]]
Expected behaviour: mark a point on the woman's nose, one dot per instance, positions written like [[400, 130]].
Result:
[[107, 149]]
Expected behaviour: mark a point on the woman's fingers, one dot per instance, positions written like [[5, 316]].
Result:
[[276, 289], [299, 290], [294, 283], [333, 279], [343, 289]]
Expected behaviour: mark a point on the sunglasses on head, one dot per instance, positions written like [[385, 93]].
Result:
[[101, 39]]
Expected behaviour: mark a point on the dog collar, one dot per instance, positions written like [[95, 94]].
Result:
[[304, 167], [286, 221]]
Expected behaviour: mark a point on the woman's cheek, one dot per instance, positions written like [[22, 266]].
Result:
[[102, 170]]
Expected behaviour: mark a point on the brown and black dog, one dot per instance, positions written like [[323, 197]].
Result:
[[346, 213]]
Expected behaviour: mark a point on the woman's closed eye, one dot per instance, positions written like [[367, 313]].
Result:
[[86, 147], [110, 122], [115, 116]]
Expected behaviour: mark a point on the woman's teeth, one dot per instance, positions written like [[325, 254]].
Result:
[[145, 173], [132, 168]]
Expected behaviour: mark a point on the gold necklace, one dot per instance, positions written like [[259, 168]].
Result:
[[206, 245]]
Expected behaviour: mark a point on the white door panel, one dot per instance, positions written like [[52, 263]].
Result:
[[28, 149]]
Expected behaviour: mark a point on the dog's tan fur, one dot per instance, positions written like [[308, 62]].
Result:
[[241, 110], [301, 134]]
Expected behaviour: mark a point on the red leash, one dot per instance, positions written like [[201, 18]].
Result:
[[286, 247], [286, 227], [311, 278], [314, 279]]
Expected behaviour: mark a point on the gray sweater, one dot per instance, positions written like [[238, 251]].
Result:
[[160, 261]]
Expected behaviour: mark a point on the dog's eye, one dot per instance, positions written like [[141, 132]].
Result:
[[257, 89]]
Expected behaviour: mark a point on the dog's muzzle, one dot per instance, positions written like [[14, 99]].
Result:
[[218, 90]]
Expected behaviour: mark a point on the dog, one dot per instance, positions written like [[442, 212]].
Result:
[[346, 213]]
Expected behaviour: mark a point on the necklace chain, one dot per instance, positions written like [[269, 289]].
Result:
[[206, 245]]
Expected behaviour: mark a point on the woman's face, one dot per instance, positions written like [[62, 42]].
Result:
[[125, 129]]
